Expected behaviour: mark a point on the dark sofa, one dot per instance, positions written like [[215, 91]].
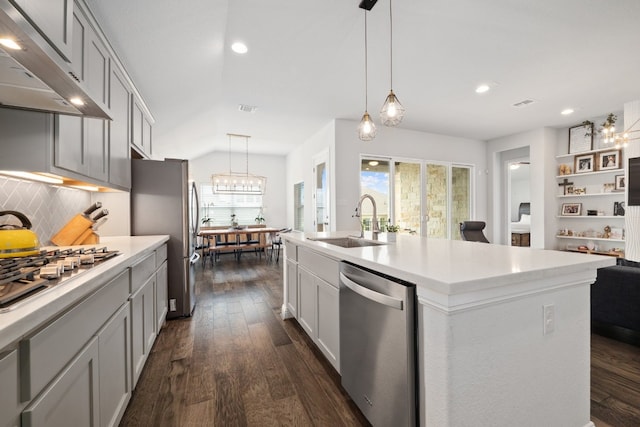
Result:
[[615, 296]]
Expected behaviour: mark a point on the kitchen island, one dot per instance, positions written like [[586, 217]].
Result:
[[503, 332], [72, 353]]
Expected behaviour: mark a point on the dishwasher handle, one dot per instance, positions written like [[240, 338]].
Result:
[[372, 295]]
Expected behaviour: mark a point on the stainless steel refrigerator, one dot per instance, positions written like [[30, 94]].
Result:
[[163, 201]]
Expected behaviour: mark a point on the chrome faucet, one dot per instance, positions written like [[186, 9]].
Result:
[[374, 227]]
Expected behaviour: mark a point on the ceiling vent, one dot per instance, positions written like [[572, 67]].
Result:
[[247, 108], [523, 103]]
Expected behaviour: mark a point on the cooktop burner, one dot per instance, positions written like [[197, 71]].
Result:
[[21, 277]]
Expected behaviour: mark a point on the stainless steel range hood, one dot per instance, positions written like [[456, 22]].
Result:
[[35, 77], [22, 89]]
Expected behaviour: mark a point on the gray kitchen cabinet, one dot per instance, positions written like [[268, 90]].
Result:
[[53, 20], [140, 128], [308, 290], [161, 294], [292, 287], [318, 301], [328, 326], [9, 404], [71, 399], [143, 326], [90, 59], [80, 146], [119, 130], [114, 345]]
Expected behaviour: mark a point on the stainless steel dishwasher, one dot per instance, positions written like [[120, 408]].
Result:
[[378, 345]]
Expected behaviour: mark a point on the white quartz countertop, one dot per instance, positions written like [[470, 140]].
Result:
[[451, 267], [39, 309]]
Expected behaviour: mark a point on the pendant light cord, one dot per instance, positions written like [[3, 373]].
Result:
[[366, 77], [391, 43]]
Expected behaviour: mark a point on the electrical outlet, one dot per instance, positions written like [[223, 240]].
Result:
[[172, 304], [549, 318]]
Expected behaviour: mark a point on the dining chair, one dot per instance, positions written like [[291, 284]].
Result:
[[471, 231]]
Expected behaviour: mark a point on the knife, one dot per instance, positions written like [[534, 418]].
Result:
[[101, 214], [91, 209], [98, 224]]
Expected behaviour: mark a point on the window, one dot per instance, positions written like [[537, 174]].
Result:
[[375, 181], [298, 206], [216, 209]]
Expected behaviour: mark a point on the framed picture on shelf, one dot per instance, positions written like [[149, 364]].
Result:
[[571, 209], [620, 183], [580, 138], [609, 160], [608, 187], [568, 190], [584, 163]]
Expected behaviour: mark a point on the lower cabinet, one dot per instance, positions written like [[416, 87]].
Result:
[[308, 300], [9, 406], [161, 293], [292, 287], [143, 326], [115, 367], [319, 303], [71, 399]]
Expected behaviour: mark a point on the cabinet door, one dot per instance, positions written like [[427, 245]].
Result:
[[53, 19], [97, 69], [79, 34], [96, 149], [292, 287], [307, 301], [161, 296], [69, 144], [115, 377], [146, 135], [10, 393], [136, 124], [142, 327], [119, 154], [328, 328], [71, 399]]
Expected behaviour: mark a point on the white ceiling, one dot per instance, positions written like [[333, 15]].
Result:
[[305, 65]]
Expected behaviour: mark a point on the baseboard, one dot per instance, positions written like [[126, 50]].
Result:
[[617, 333]]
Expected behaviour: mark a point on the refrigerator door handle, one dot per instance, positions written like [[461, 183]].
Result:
[[194, 258]]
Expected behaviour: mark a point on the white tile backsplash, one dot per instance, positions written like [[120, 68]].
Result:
[[48, 207]]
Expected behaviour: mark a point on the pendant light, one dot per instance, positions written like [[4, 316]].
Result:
[[392, 111], [238, 182], [366, 129]]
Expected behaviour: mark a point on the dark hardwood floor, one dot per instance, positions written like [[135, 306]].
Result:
[[236, 363]]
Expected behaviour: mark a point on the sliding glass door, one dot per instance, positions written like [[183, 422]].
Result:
[[407, 206], [449, 199]]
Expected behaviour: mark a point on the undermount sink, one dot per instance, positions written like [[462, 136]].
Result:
[[348, 242]]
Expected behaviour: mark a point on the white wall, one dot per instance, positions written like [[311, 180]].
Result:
[[520, 189], [299, 165], [542, 145], [119, 219], [272, 167], [399, 142]]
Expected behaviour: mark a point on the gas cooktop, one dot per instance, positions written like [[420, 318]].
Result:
[[24, 277]]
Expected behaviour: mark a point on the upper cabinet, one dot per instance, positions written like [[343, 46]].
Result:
[[119, 130], [52, 19], [90, 59], [141, 128]]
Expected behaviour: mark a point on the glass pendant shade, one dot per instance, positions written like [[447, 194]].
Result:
[[392, 111], [367, 129]]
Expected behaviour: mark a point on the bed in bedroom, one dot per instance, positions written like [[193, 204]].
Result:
[[521, 230]]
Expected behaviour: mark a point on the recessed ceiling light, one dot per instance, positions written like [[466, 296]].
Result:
[[567, 111], [373, 163], [239, 47], [483, 88], [10, 44], [76, 101]]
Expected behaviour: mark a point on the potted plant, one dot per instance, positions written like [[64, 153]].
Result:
[[392, 230], [234, 222], [260, 219]]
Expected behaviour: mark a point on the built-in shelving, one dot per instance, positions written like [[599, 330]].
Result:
[[616, 193], [573, 175], [590, 217], [599, 150], [590, 238]]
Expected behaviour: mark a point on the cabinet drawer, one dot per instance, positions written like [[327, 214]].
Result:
[[9, 379], [322, 266], [43, 355], [161, 255], [142, 270], [291, 250]]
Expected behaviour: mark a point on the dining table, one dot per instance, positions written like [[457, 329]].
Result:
[[236, 240]]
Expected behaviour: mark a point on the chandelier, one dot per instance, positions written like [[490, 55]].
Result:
[[621, 139], [238, 182]]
